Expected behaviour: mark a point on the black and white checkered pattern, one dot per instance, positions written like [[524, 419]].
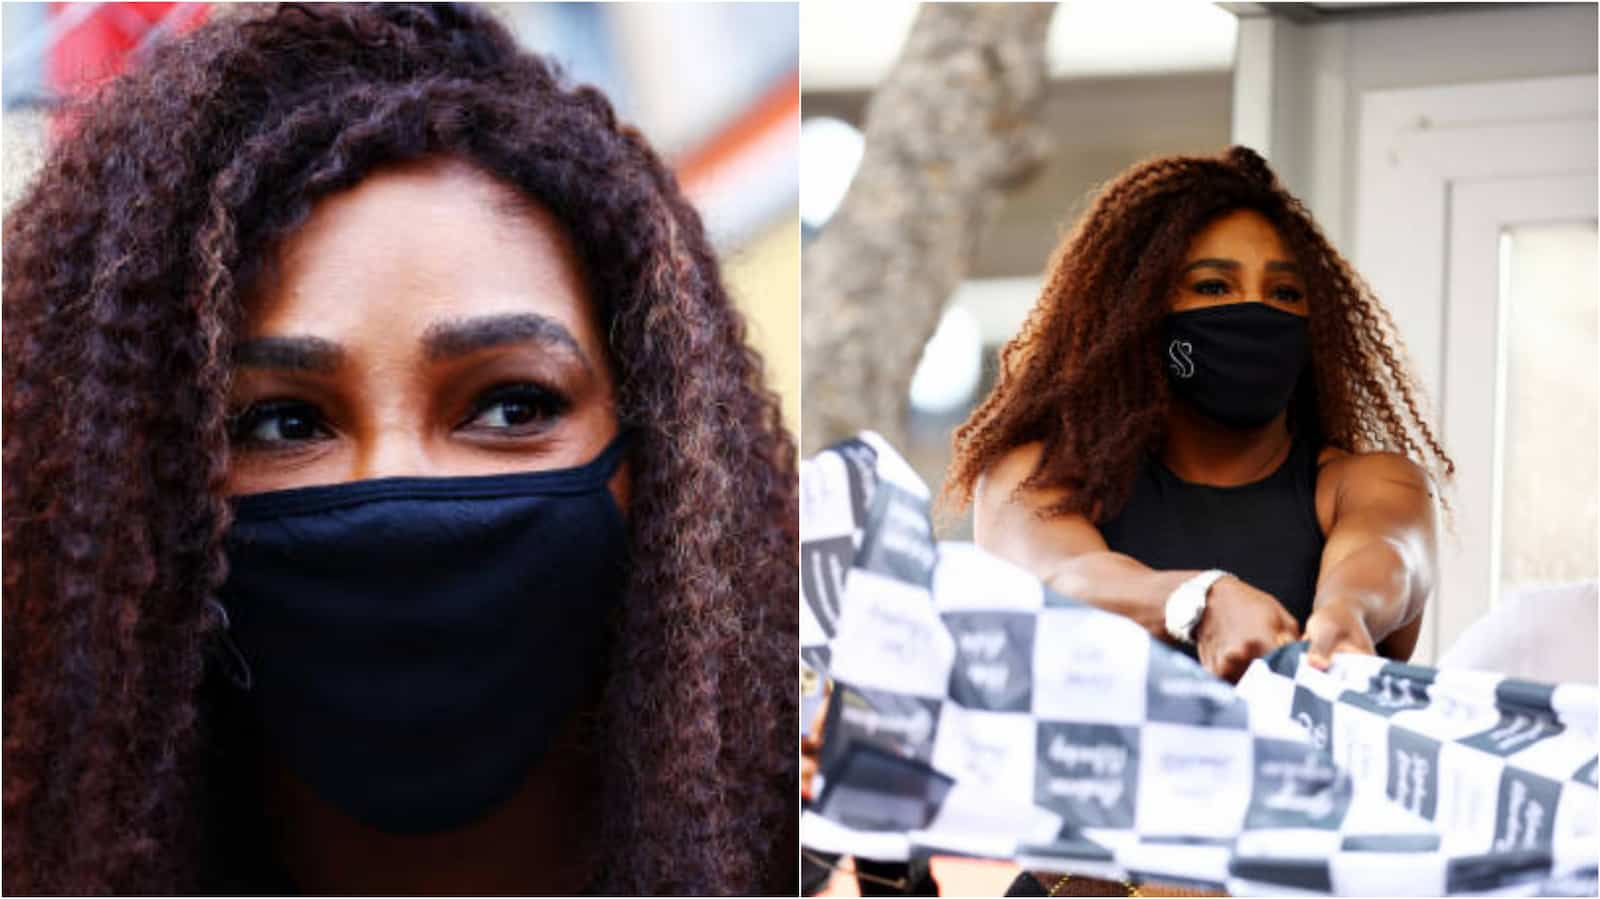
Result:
[[975, 712]]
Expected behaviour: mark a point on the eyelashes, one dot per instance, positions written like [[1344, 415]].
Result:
[[516, 409], [503, 411], [277, 424], [1216, 288]]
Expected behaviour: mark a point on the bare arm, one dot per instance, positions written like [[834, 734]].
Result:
[[1380, 560], [1069, 554]]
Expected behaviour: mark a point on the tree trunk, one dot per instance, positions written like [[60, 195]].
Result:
[[948, 133]]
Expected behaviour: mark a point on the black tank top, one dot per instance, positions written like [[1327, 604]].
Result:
[[1265, 532]]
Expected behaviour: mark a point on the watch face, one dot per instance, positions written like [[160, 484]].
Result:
[[1184, 609]]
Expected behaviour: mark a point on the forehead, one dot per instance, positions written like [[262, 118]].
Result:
[[415, 243], [1239, 234]]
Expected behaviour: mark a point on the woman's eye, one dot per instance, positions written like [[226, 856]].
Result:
[[277, 424], [517, 408], [1211, 288], [1288, 294]]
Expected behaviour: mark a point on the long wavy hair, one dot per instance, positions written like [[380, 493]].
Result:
[[1084, 374], [125, 266]]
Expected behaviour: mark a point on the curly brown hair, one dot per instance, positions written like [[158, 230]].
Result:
[[1084, 376], [125, 265]]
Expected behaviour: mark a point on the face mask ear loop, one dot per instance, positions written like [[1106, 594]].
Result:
[[234, 666]]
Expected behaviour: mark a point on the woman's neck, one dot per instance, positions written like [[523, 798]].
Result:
[[540, 841], [1202, 451]]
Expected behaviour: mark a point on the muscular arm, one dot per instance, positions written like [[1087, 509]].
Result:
[[1066, 552], [1380, 560], [1069, 554]]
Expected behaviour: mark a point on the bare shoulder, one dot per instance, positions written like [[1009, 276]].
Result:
[[1000, 487], [1373, 471], [1008, 519], [1000, 523], [1001, 480], [1353, 480], [1365, 483]]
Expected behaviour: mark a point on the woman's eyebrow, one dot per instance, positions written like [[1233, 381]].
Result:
[[447, 339], [301, 353], [1231, 265]]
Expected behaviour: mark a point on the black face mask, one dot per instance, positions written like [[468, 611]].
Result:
[[1237, 363], [415, 644]]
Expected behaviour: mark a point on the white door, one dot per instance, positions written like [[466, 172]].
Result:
[[1476, 209]]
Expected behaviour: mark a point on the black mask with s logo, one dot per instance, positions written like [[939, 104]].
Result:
[[1237, 363]]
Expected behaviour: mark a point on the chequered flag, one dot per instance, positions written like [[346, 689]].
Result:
[[975, 712]]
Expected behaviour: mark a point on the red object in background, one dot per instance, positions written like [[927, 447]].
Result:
[[97, 45], [779, 108]]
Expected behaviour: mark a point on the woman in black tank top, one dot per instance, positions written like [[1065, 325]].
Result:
[[1204, 426], [1265, 532]]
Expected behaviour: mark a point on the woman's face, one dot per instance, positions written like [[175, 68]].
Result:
[[1239, 257], [429, 321]]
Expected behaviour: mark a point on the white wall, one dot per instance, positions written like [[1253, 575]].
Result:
[[1304, 117]]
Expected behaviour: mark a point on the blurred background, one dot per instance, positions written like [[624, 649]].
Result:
[[1447, 149], [715, 87]]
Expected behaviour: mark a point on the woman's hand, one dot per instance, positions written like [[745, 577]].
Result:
[[811, 746], [810, 749], [1337, 626], [1240, 625]]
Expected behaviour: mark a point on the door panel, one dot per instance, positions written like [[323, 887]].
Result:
[[1445, 174]]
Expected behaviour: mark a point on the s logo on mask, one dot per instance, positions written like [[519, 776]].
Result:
[[1178, 351], [1236, 363]]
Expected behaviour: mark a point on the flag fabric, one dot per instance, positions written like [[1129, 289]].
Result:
[[975, 712]]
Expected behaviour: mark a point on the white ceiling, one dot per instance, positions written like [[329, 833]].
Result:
[[850, 44]]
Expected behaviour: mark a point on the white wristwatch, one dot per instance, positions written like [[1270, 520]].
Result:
[[1188, 602]]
